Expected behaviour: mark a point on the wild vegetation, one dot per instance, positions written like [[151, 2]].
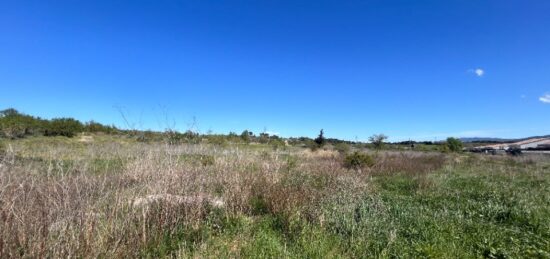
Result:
[[115, 195], [111, 196]]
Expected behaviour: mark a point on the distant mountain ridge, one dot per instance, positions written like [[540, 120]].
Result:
[[499, 140]]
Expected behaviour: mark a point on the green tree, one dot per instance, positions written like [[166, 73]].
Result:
[[378, 140], [454, 144], [246, 136]]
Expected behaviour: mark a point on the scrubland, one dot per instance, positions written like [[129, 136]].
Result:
[[113, 197]]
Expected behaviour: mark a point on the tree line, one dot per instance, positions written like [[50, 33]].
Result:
[[14, 124]]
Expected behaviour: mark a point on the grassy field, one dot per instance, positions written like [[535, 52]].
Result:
[[105, 196]]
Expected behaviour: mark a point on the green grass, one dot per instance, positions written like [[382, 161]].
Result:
[[461, 215], [472, 207]]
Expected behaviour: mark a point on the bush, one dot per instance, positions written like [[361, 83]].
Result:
[[358, 161], [191, 136], [311, 145], [378, 140], [173, 137], [93, 126], [277, 144], [218, 140], [342, 148], [246, 136], [63, 127], [453, 145], [17, 125]]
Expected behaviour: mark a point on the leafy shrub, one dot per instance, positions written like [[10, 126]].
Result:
[[218, 140], [67, 127], [311, 145], [342, 148], [453, 145], [14, 124], [93, 126], [277, 144], [246, 136], [358, 161], [17, 125]]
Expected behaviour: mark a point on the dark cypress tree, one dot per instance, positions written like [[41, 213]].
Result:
[[320, 140]]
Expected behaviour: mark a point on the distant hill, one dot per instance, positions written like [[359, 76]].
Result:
[[499, 140], [496, 140]]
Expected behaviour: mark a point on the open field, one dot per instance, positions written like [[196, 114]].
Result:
[[108, 196]]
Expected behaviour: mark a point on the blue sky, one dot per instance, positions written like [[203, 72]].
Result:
[[410, 69]]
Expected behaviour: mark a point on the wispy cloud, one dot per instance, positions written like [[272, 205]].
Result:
[[545, 98], [478, 71]]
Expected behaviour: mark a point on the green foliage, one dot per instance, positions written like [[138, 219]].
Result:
[[218, 140], [453, 145], [311, 145], [342, 148], [277, 144], [258, 205], [358, 161], [95, 127], [246, 136], [63, 127], [17, 125]]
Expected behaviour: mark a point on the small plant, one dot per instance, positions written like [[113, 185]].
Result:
[[311, 145], [207, 160], [258, 205], [342, 148], [358, 161]]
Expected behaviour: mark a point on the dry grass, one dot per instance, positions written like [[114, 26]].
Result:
[[72, 200]]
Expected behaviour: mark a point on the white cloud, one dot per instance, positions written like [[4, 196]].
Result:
[[478, 72], [545, 98]]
